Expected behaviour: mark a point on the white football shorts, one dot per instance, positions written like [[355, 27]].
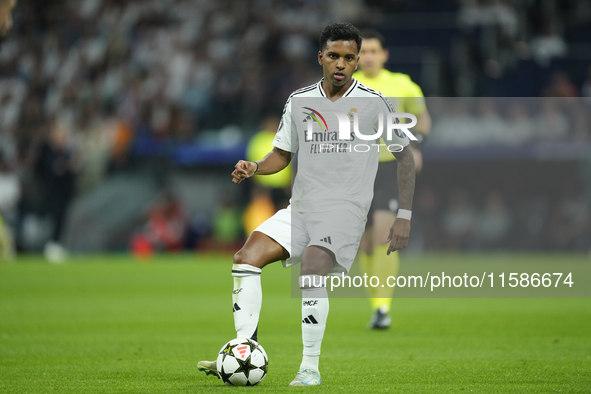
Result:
[[338, 230]]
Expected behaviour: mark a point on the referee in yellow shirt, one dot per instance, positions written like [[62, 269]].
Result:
[[270, 192], [406, 96]]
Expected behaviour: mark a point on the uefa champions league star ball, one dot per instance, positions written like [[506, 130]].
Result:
[[242, 362]]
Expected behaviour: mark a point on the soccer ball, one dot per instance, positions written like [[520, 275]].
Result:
[[242, 362]]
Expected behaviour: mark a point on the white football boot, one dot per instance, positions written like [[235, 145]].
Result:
[[209, 367], [307, 377]]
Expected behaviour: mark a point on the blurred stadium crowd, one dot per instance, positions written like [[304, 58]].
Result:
[[509, 122], [84, 83]]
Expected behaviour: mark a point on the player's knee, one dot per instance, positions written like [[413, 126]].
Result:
[[310, 269], [239, 257], [316, 266], [243, 257]]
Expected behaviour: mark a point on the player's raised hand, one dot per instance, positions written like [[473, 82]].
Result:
[[399, 233], [243, 169]]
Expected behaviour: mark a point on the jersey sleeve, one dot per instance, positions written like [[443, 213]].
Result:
[[398, 136], [286, 137]]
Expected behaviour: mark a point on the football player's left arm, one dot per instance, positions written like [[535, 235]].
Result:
[[400, 230], [421, 131]]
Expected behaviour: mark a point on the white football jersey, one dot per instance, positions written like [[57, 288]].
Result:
[[336, 165]]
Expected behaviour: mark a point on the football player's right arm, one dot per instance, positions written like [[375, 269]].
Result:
[[273, 162]]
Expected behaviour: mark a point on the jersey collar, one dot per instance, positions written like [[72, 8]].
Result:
[[351, 88]]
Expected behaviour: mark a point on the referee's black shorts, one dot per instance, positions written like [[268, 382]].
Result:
[[385, 190]]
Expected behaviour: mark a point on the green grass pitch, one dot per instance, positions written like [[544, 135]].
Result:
[[109, 324]]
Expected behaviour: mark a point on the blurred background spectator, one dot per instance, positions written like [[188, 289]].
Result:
[[458, 221], [56, 166], [9, 196], [165, 229], [492, 223], [154, 94]]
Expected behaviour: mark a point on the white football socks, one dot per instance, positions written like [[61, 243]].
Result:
[[247, 298], [314, 315]]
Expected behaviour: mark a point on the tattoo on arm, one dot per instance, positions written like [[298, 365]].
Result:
[[406, 177]]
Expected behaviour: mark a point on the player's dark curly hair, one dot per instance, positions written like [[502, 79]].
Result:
[[340, 31]]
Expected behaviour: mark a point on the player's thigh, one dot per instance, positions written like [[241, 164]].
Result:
[[382, 222], [260, 250]]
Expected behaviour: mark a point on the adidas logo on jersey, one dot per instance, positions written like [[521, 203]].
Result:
[[309, 320], [327, 240], [235, 307]]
